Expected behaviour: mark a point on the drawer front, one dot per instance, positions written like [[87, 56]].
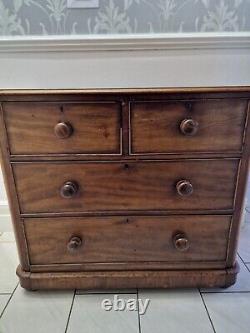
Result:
[[81, 187], [179, 127], [127, 239], [52, 128]]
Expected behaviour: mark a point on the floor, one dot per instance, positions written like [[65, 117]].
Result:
[[201, 311]]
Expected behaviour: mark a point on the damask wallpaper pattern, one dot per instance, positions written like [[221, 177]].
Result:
[[50, 17]]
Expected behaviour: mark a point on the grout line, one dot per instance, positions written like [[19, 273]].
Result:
[[225, 292], [138, 311], [114, 293], [1, 314], [244, 263], [70, 311], [5, 294], [210, 319]]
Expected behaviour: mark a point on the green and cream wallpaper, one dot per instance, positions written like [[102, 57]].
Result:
[[52, 17]]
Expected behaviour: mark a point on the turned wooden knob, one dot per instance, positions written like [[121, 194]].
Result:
[[189, 127], [63, 130], [181, 242], [74, 243], [69, 190], [184, 188]]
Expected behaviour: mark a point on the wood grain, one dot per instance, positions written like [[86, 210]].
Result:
[[26, 94], [12, 196], [243, 181], [124, 266], [155, 126], [127, 239], [126, 186], [31, 127], [205, 278]]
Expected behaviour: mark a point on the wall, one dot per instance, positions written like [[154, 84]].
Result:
[[5, 222], [3, 196], [49, 17]]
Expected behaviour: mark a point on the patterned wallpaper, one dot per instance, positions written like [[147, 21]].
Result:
[[49, 17]]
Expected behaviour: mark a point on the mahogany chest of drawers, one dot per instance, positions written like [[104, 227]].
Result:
[[126, 188]]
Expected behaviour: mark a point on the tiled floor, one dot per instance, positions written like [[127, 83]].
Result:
[[194, 311]]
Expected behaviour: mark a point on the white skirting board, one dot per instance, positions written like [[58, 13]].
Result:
[[132, 61], [5, 219], [119, 69]]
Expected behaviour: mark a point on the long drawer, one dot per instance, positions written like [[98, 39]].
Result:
[[113, 186], [63, 128], [127, 239], [193, 126]]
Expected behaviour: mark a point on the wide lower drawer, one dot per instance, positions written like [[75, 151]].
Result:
[[82, 187], [127, 239], [193, 126], [63, 128]]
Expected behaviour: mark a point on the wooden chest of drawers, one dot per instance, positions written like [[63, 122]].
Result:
[[126, 188]]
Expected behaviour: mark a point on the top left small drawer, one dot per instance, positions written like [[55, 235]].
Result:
[[35, 128]]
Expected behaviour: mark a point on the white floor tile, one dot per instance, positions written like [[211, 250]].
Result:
[[8, 264], [3, 301], [229, 312], [88, 316], [248, 190], [247, 204], [103, 291], [244, 243], [242, 283], [247, 215], [175, 311], [7, 237], [39, 312]]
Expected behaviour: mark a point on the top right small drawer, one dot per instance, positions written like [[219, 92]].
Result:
[[204, 126]]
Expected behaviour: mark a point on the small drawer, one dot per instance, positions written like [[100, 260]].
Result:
[[115, 186], [67, 128], [180, 127], [127, 239]]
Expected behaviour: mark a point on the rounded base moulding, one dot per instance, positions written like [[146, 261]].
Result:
[[222, 278]]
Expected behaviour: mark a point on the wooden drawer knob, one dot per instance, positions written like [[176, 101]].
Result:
[[189, 127], [184, 188], [181, 242], [63, 130], [74, 243], [69, 190]]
